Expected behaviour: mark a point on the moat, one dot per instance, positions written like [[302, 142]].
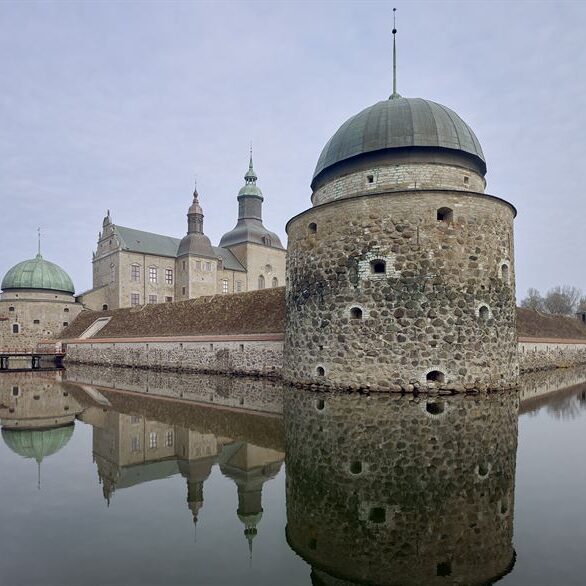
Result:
[[125, 476]]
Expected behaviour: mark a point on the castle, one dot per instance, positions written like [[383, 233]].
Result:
[[132, 267]]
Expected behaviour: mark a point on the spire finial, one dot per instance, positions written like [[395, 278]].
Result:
[[39, 241], [250, 176], [195, 194], [394, 95]]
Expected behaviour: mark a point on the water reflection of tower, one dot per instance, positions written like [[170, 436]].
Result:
[[131, 450], [250, 467], [386, 490], [37, 415]]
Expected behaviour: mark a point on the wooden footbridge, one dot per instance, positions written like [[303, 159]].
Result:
[[42, 358]]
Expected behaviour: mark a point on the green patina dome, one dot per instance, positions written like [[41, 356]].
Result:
[[400, 123], [37, 444], [38, 273]]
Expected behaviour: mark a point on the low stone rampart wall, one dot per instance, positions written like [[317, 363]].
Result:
[[547, 353], [262, 354], [245, 354]]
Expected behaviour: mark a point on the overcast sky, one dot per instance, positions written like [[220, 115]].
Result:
[[120, 105]]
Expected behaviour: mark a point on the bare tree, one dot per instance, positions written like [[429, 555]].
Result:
[[582, 305], [534, 300], [562, 300]]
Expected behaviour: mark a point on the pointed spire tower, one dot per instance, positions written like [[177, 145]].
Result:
[[250, 228], [195, 243]]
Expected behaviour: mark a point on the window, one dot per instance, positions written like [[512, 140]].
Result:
[[275, 282], [184, 265], [208, 266], [135, 273], [169, 276], [112, 273], [505, 273], [261, 282], [198, 265], [11, 309], [134, 419], [378, 267], [484, 313], [105, 307], [266, 240], [445, 215], [15, 391], [65, 324], [153, 440], [66, 310], [36, 321], [134, 299], [152, 299], [312, 228], [15, 329], [370, 178], [466, 179], [153, 275], [238, 286], [135, 444], [268, 269], [356, 313], [320, 371], [225, 286], [169, 439], [183, 290], [168, 299]]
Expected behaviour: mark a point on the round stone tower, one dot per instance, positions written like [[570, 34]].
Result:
[[401, 275]]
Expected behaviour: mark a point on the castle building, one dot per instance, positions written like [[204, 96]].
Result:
[[132, 267], [37, 302], [401, 275]]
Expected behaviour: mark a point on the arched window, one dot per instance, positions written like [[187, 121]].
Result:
[[505, 272], [15, 329], [105, 307], [275, 282], [378, 267], [312, 228], [320, 371], [268, 269], [356, 313], [66, 310], [445, 215], [261, 282]]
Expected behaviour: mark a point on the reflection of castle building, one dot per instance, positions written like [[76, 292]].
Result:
[[250, 467], [132, 267], [132, 449], [398, 491], [37, 415]]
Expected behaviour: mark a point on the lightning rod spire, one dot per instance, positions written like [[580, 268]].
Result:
[[394, 95]]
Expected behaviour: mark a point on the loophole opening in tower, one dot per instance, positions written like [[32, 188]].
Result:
[[378, 267], [435, 376]]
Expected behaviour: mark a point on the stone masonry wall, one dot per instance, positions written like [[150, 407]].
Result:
[[445, 303], [399, 177], [401, 490], [544, 355], [239, 356]]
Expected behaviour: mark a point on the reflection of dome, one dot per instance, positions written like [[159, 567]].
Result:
[[38, 273], [399, 123], [37, 444]]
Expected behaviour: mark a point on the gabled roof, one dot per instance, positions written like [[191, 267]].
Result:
[[147, 242], [230, 261], [159, 245]]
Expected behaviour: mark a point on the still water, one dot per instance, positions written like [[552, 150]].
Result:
[[117, 477]]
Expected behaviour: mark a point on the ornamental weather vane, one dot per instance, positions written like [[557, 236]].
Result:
[[394, 95]]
